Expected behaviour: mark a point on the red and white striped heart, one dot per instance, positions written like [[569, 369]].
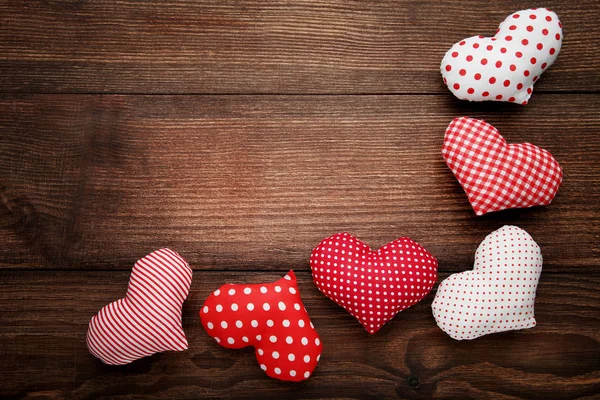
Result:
[[504, 67], [496, 175], [498, 294], [373, 286], [148, 319], [270, 317]]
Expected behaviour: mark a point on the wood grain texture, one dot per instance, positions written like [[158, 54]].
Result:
[[265, 46], [255, 182], [241, 134], [45, 316]]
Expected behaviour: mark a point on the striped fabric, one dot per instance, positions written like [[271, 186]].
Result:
[[148, 319]]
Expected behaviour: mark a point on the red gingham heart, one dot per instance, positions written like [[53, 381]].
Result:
[[373, 286], [496, 175], [148, 319], [270, 317]]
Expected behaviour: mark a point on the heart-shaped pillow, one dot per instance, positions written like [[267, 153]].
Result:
[[270, 317], [498, 294], [373, 286], [496, 175], [504, 67], [148, 319]]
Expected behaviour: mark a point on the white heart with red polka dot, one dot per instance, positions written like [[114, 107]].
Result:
[[504, 67], [498, 294]]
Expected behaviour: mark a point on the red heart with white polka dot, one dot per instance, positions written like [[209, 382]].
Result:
[[498, 294], [270, 317], [373, 286], [504, 67]]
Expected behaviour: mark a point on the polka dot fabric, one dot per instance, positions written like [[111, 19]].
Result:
[[496, 175], [498, 294], [504, 67], [148, 319], [270, 317], [373, 286]]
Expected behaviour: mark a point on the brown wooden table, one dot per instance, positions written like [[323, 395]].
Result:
[[242, 133]]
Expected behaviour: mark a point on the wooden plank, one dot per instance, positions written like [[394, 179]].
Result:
[[264, 46], [45, 316], [255, 182]]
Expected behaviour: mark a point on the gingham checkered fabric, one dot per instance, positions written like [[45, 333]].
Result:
[[496, 175]]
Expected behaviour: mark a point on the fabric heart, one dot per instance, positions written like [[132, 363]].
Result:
[[496, 175], [504, 67], [498, 294], [148, 319], [373, 286], [270, 317]]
